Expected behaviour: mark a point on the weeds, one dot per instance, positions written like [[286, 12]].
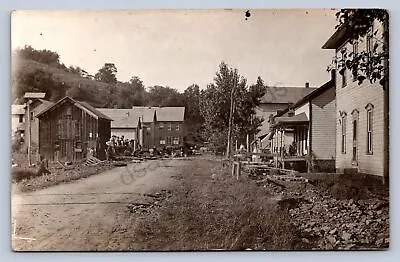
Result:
[[218, 212]]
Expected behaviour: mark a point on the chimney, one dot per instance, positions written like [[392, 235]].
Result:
[[307, 84]]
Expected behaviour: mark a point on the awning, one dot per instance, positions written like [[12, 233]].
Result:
[[291, 120]]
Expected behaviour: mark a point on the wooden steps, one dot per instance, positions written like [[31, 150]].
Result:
[[92, 161]]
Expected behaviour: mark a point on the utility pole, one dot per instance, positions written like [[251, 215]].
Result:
[[29, 132], [228, 148]]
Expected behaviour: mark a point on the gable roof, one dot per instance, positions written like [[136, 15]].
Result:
[[285, 95], [44, 104], [164, 114], [146, 113], [122, 118], [82, 105], [170, 114], [316, 92]]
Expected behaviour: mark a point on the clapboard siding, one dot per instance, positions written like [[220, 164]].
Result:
[[358, 97], [354, 96], [323, 125]]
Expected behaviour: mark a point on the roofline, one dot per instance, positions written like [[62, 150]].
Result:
[[337, 38], [78, 104], [310, 96]]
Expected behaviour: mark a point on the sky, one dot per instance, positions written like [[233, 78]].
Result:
[[177, 48]]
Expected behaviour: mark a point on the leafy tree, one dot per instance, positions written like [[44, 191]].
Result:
[[194, 119], [107, 74], [191, 98], [215, 107], [38, 81], [163, 96], [139, 92], [372, 64], [76, 70], [130, 93], [41, 56]]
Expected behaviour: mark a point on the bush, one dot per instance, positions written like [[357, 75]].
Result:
[[19, 174]]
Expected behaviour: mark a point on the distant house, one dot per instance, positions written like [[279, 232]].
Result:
[[149, 127], [305, 133], [18, 121], [166, 129], [275, 100], [36, 107], [361, 134], [124, 123], [128, 123], [69, 130], [19, 118]]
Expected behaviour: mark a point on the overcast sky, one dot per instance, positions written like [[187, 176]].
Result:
[[179, 48]]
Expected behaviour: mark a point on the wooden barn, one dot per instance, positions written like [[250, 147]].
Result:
[[71, 130]]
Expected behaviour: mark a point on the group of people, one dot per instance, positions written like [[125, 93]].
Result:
[[118, 145]]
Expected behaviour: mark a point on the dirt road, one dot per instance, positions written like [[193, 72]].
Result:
[[96, 213]]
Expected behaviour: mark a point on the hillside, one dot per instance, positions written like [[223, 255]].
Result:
[[29, 75]]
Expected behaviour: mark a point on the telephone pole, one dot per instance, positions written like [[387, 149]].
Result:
[[228, 148], [29, 132]]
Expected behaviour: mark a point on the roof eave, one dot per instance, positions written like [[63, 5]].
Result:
[[337, 39]]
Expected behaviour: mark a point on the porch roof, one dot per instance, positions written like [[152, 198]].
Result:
[[291, 120]]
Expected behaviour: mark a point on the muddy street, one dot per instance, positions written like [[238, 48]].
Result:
[[93, 213], [196, 204]]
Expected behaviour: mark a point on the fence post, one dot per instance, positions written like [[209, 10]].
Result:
[[238, 167]]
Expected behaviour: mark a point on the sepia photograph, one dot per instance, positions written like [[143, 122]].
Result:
[[200, 130]]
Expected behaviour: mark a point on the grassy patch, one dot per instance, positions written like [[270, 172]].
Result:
[[211, 210], [26, 179]]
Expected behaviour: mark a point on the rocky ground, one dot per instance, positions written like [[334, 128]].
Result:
[[333, 212]]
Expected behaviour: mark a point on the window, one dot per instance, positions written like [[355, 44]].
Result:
[[369, 109], [355, 52], [342, 66], [169, 127], [344, 77], [21, 118], [176, 141], [343, 120], [369, 40], [161, 125], [177, 127], [370, 45], [355, 114], [162, 141]]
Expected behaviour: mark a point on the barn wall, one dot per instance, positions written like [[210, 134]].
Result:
[[67, 133]]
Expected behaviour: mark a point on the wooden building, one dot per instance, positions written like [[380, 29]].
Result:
[[305, 133], [276, 99], [69, 130], [361, 110]]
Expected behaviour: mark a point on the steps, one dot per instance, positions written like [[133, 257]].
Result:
[[92, 161]]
